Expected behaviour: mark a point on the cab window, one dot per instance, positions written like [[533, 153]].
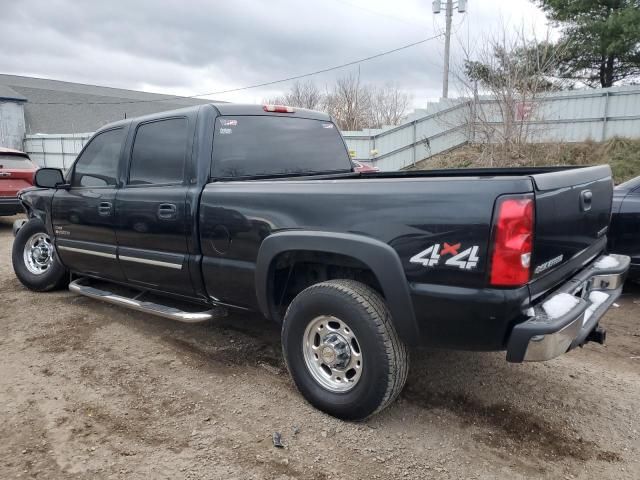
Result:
[[255, 146], [159, 152], [98, 164]]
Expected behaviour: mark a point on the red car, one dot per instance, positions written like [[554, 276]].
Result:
[[16, 173], [363, 168]]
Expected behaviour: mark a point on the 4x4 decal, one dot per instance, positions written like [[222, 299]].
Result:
[[432, 256]]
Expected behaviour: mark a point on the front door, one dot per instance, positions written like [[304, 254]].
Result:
[[83, 216], [153, 221]]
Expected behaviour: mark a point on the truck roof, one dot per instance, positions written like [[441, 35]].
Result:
[[226, 109], [254, 109]]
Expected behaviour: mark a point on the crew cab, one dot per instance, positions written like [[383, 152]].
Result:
[[190, 213], [16, 173]]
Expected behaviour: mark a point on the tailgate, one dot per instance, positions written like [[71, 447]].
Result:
[[12, 181], [573, 209], [16, 173]]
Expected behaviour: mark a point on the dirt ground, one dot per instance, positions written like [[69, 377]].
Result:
[[89, 390]]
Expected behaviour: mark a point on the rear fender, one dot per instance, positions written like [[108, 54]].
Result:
[[378, 256]]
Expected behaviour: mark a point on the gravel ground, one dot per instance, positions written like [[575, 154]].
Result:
[[89, 390]]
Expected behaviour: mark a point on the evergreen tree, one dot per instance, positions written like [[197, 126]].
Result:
[[601, 39]]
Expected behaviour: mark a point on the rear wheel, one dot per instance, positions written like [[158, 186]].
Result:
[[34, 258], [342, 351]]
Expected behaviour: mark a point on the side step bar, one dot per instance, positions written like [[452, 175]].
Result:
[[83, 287]]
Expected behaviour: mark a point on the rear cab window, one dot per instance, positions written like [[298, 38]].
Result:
[[262, 146]]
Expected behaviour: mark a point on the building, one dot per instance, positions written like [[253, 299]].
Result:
[[12, 125], [30, 106]]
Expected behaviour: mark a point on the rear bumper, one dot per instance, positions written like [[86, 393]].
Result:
[[565, 319], [10, 206]]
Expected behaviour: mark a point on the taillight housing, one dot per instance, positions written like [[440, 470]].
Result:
[[512, 241], [278, 109]]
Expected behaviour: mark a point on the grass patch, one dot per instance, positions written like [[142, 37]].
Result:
[[622, 154]]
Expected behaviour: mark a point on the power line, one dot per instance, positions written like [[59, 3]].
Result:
[[375, 12], [257, 85]]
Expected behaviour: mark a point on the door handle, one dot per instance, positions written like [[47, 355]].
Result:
[[167, 211], [104, 209], [585, 200]]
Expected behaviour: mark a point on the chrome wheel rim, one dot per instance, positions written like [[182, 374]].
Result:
[[332, 353], [38, 253]]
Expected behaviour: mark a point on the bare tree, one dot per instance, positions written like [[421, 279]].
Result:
[[349, 103], [389, 105], [302, 95], [504, 82], [352, 104]]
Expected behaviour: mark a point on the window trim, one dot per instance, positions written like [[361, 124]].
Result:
[[274, 176], [72, 170], [133, 143]]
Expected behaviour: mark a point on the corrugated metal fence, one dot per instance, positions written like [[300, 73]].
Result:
[[570, 116]]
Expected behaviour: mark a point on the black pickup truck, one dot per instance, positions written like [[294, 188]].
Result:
[[188, 213]]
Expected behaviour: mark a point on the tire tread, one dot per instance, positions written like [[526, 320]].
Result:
[[380, 316]]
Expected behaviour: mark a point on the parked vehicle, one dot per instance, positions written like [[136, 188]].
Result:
[[363, 167], [270, 216], [16, 173], [624, 235]]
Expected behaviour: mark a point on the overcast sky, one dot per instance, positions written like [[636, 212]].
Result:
[[195, 46]]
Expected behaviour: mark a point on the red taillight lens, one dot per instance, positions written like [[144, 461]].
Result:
[[278, 109], [513, 242]]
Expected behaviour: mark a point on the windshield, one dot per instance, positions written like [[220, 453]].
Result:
[[270, 145], [15, 161]]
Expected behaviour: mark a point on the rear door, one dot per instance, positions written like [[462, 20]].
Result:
[[153, 220], [83, 216], [573, 210]]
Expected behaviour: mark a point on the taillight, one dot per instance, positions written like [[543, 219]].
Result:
[[513, 242], [278, 109]]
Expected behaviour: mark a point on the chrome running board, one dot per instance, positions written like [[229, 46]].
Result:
[[83, 287]]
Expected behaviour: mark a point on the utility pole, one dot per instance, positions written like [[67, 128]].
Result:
[[437, 5], [447, 46]]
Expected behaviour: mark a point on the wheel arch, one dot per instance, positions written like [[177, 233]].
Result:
[[379, 257], [38, 204]]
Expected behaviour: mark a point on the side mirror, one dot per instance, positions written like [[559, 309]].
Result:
[[50, 178]]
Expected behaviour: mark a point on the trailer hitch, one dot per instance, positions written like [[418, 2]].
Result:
[[597, 335]]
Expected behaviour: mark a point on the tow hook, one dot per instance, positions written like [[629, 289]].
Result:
[[598, 335]]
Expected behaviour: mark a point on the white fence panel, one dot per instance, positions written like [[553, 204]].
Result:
[[361, 146], [55, 150]]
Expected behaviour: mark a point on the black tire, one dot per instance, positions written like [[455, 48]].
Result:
[[385, 361], [55, 277]]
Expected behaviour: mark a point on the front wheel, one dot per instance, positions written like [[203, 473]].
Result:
[[342, 350], [34, 258]]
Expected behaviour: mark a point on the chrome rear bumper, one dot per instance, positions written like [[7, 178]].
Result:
[[565, 319]]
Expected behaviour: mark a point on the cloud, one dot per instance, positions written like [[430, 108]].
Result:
[[189, 47]]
